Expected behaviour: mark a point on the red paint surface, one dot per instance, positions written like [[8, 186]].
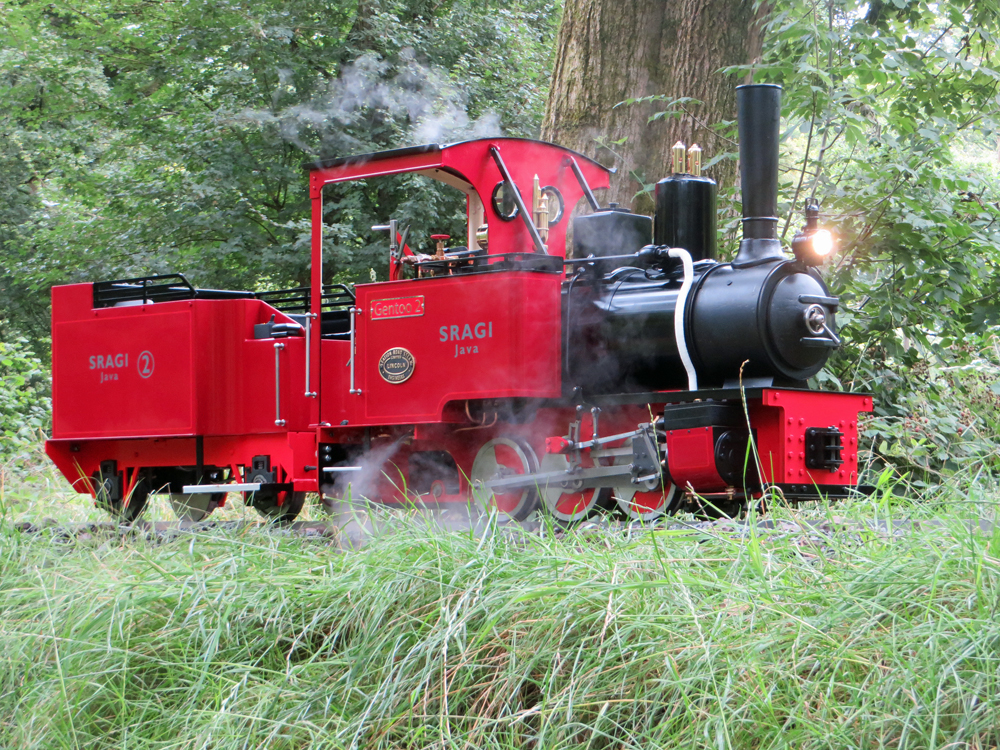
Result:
[[492, 335], [781, 419], [691, 459], [470, 163]]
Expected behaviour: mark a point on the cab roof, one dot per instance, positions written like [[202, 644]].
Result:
[[430, 148], [472, 167]]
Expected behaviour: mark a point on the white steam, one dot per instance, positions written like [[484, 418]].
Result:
[[432, 106], [364, 484]]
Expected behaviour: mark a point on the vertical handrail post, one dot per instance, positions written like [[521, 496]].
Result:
[[316, 296], [277, 385], [309, 317], [354, 312]]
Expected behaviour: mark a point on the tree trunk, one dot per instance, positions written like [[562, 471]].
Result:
[[612, 50]]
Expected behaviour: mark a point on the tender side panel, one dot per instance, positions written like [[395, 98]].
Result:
[[219, 330], [72, 302], [123, 372], [270, 367]]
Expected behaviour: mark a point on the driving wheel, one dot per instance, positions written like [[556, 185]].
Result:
[[646, 506], [647, 501], [500, 458], [565, 502]]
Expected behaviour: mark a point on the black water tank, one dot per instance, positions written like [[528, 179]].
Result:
[[685, 215], [611, 231]]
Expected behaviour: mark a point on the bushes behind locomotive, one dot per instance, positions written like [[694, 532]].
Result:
[[25, 409], [934, 423]]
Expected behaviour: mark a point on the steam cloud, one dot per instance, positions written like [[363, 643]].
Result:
[[352, 501], [365, 483], [435, 108]]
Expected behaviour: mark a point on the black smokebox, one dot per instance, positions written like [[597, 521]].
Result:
[[758, 108]]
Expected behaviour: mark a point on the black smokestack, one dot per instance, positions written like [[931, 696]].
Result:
[[758, 108]]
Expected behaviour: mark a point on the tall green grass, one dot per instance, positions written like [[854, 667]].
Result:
[[726, 637]]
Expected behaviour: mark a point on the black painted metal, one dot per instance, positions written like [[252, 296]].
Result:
[[823, 448], [299, 299], [701, 414], [733, 459], [174, 287], [620, 333], [685, 215], [759, 118], [610, 232], [147, 288], [754, 315], [199, 458]]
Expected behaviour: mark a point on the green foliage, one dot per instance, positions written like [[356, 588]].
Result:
[[884, 102], [24, 398], [170, 137]]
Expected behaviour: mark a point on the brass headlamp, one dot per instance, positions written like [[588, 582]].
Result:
[[813, 246]]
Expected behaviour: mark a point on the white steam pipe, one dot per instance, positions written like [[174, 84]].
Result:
[[680, 306]]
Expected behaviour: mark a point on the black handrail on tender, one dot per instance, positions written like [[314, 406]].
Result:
[[149, 289], [172, 287]]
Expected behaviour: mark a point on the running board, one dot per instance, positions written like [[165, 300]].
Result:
[[196, 489]]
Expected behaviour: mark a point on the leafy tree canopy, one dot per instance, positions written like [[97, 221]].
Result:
[[892, 109], [143, 137]]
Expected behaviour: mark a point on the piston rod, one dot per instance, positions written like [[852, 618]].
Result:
[[597, 476]]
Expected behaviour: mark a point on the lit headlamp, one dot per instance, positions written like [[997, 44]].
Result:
[[813, 246]]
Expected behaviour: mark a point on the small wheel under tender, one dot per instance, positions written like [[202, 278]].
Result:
[[112, 493], [281, 506], [197, 506], [499, 458], [569, 504]]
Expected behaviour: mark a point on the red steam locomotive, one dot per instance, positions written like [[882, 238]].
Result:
[[640, 372]]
